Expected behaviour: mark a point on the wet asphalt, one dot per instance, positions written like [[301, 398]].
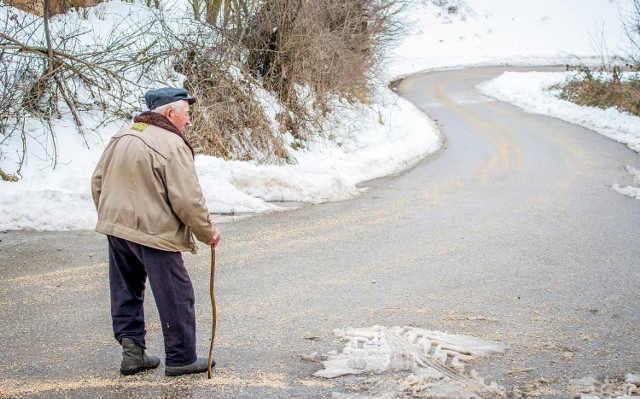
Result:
[[511, 232]]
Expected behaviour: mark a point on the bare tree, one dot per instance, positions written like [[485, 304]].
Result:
[[48, 73], [306, 53], [195, 6], [632, 28]]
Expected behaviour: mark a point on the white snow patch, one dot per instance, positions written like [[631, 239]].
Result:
[[630, 191], [535, 92], [365, 142], [532, 91], [423, 363]]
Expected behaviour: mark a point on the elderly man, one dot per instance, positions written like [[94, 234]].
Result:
[[150, 206]]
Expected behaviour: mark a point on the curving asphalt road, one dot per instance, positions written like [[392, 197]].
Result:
[[511, 233]]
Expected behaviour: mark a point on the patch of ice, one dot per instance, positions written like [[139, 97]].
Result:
[[630, 191], [422, 363]]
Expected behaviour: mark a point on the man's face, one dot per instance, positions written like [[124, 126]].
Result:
[[180, 118]]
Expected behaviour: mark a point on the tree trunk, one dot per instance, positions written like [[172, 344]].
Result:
[[213, 10], [195, 4], [47, 34], [51, 73]]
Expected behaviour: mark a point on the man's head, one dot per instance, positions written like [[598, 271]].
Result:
[[171, 102]]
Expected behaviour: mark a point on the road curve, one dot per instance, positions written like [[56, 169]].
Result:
[[553, 249], [511, 232]]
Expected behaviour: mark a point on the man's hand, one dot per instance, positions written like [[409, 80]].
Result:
[[215, 240]]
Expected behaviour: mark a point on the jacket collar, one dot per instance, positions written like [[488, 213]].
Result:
[[161, 121]]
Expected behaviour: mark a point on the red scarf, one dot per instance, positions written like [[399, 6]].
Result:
[[161, 121]]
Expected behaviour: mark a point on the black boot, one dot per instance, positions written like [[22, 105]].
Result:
[[199, 366], [134, 359]]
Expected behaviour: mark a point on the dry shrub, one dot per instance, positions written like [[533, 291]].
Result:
[[606, 86], [604, 91], [227, 120], [304, 52], [307, 51]]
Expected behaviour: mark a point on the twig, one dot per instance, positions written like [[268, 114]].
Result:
[[525, 370]]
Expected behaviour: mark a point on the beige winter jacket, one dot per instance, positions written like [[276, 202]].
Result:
[[146, 190]]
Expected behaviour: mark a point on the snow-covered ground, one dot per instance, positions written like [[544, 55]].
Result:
[[384, 138], [533, 91], [381, 139]]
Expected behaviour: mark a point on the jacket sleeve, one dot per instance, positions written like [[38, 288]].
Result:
[[185, 194]]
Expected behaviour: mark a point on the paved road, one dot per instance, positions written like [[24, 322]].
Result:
[[511, 233]]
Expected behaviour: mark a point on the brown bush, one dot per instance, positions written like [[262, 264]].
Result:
[[329, 47], [305, 52], [227, 120], [595, 90]]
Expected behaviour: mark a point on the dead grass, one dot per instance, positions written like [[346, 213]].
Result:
[[604, 90], [228, 121], [305, 53], [308, 52]]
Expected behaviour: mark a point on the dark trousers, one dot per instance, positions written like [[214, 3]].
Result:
[[129, 266]]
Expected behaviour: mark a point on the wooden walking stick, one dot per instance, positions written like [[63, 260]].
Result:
[[213, 309]]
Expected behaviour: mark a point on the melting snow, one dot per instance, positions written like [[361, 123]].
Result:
[[425, 363], [410, 362]]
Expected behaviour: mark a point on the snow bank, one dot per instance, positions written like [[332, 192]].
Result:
[[533, 92]]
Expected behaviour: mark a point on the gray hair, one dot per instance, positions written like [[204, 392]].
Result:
[[175, 106]]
